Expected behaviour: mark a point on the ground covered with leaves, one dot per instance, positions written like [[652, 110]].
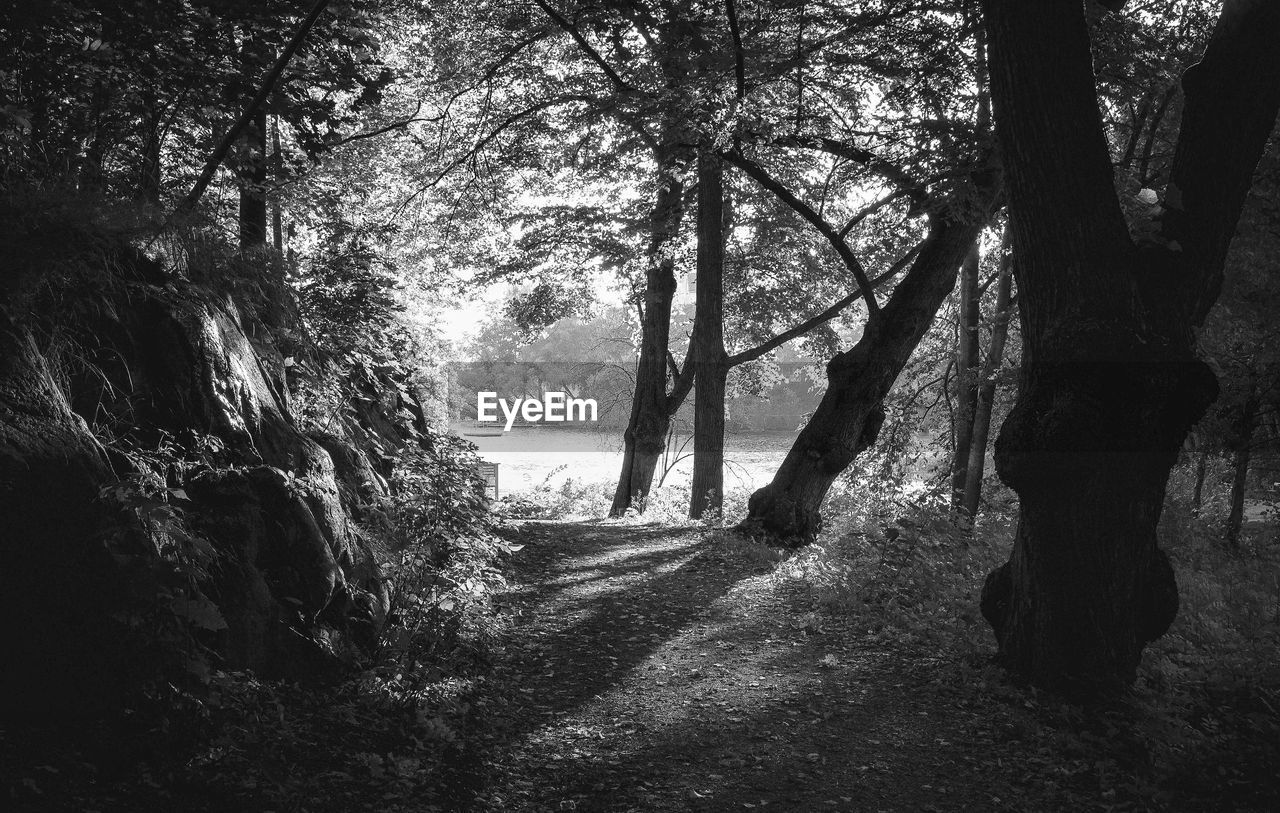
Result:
[[678, 667], [652, 668]]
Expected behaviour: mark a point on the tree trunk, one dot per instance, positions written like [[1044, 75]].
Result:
[[711, 364], [277, 218], [1240, 466], [848, 418], [646, 431], [1110, 384], [150, 178], [1197, 492], [253, 185], [91, 165], [967, 375], [987, 388]]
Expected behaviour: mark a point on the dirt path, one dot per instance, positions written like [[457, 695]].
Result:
[[657, 669]]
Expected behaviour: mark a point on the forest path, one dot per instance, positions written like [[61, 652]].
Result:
[[651, 668]]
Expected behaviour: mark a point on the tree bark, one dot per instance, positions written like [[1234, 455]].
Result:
[[711, 363], [1243, 437], [848, 418], [1110, 384], [987, 389], [149, 176], [277, 216], [1197, 491], [646, 431], [253, 185], [966, 376]]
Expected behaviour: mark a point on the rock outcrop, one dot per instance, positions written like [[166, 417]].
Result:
[[169, 374]]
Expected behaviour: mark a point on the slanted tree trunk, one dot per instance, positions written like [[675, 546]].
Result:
[[1240, 465], [711, 363], [967, 374], [987, 389], [646, 431], [1110, 384], [850, 414]]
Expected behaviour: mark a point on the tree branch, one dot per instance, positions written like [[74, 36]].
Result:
[[483, 142], [188, 203], [739, 61], [867, 211], [820, 318], [896, 175], [1232, 97], [397, 125], [572, 30], [803, 209]]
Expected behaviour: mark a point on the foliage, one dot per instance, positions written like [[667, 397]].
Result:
[[447, 548], [113, 94], [347, 293]]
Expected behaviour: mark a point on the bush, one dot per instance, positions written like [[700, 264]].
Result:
[[445, 555]]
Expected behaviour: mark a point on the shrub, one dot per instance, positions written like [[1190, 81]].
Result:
[[445, 555]]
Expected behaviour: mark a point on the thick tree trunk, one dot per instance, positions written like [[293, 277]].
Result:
[[253, 185], [987, 390], [848, 418], [646, 431], [711, 363], [967, 375], [1110, 385]]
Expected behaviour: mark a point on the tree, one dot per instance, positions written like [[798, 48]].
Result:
[[1239, 341], [947, 177], [966, 363], [1110, 384], [707, 353], [848, 418], [988, 381]]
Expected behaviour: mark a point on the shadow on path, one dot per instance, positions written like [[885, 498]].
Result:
[[606, 597]]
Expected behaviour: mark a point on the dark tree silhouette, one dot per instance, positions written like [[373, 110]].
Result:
[[1110, 380]]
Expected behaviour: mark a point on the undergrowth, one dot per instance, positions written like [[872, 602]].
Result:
[[1201, 729]]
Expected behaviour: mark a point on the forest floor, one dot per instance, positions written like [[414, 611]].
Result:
[[663, 668], [651, 668]]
